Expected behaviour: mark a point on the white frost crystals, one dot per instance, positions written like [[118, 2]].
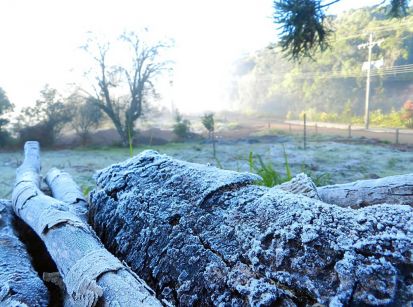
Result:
[[254, 245], [90, 273]]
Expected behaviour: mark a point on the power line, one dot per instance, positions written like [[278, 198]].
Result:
[[383, 28], [338, 74]]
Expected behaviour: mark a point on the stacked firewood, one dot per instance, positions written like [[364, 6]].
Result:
[[159, 231]]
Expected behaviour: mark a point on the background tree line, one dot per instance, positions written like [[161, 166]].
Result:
[[268, 82], [121, 86]]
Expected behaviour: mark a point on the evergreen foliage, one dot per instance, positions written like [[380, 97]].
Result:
[[304, 26]]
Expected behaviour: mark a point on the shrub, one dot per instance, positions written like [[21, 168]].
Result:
[[5, 138], [270, 177], [41, 132], [181, 127], [49, 115], [407, 114]]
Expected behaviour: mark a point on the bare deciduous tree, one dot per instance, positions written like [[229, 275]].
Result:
[[122, 90]]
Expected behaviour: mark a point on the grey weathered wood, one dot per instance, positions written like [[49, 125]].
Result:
[[358, 194], [20, 284], [300, 184], [204, 236], [90, 273], [64, 188]]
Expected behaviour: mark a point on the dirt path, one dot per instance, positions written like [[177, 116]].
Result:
[[252, 127]]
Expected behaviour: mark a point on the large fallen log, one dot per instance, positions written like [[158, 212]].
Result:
[[20, 284], [362, 193], [204, 236], [90, 273]]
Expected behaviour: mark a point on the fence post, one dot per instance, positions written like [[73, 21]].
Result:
[[349, 131], [305, 131], [397, 136], [269, 125], [289, 128], [316, 128]]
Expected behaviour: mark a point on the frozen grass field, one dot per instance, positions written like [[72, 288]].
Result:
[[341, 162]]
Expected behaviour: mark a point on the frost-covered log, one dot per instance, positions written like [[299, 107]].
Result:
[[203, 236], [20, 284], [300, 184], [358, 194], [64, 188], [90, 273]]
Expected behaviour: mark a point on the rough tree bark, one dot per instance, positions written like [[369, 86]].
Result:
[[20, 284], [300, 184], [390, 190], [90, 273], [204, 236]]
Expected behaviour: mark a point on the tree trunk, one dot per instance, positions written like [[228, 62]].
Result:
[[390, 190], [90, 273], [20, 284], [204, 236]]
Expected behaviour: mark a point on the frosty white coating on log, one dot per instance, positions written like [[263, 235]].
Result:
[[90, 273], [64, 188], [362, 193], [20, 284], [204, 236]]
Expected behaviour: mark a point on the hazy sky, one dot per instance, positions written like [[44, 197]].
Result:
[[40, 39]]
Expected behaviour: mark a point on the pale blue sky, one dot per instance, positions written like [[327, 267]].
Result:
[[40, 40]]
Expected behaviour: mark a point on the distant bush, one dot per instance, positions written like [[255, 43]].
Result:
[[407, 115], [5, 107], [45, 120], [41, 132], [182, 127], [5, 139], [377, 117]]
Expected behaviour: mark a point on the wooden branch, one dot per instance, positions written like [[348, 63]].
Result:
[[90, 273], [20, 284], [64, 188], [203, 236], [390, 190]]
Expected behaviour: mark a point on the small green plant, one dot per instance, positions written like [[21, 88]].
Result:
[[219, 164], [391, 163], [181, 127], [209, 124], [287, 165], [270, 177], [86, 188]]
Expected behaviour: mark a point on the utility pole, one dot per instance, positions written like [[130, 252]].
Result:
[[370, 44]]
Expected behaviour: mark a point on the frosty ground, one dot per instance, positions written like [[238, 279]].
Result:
[[337, 159]]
